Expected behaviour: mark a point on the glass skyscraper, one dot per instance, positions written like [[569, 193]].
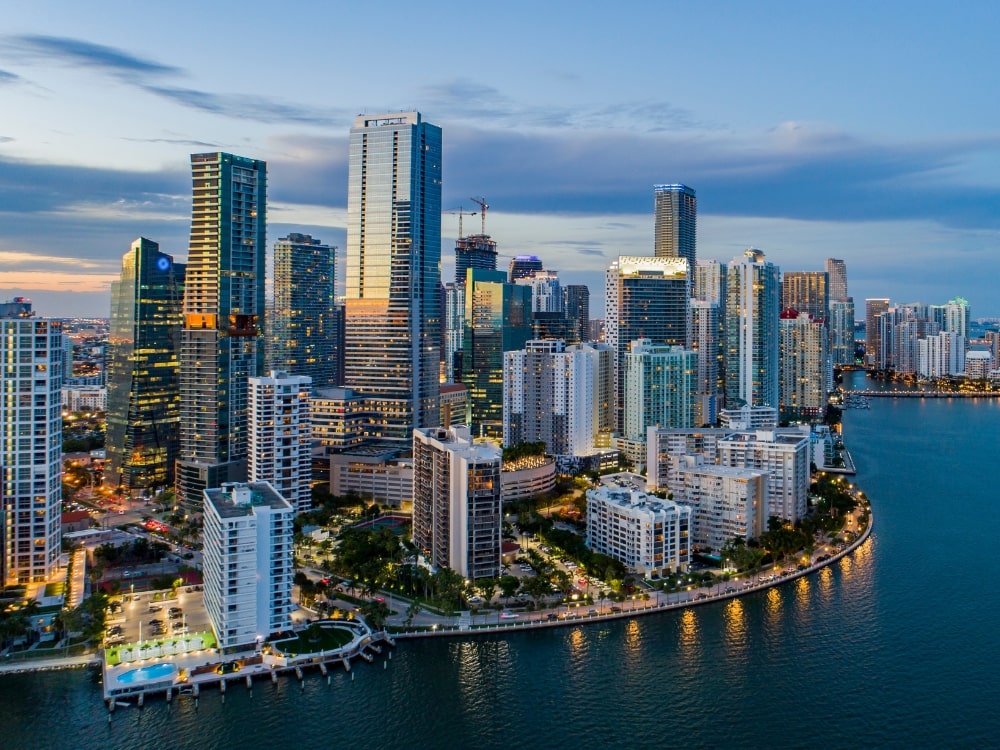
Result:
[[676, 216], [302, 337], [223, 308], [474, 251], [753, 299], [143, 369], [392, 307]]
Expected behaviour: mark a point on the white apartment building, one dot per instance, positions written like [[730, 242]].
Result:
[[457, 501], [727, 502], [650, 536], [281, 436], [784, 455], [85, 398], [248, 563], [941, 354], [978, 364]]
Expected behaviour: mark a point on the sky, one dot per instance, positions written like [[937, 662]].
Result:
[[863, 131]]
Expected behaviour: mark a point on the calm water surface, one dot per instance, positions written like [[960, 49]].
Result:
[[891, 647]]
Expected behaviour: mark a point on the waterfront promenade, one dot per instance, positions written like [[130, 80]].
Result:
[[906, 393]]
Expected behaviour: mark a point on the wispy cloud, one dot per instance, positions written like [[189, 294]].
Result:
[[79, 52], [6, 77], [248, 106], [174, 141]]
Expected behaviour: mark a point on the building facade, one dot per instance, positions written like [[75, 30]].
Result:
[[248, 563], [576, 304], [457, 513], [659, 388], [393, 275], [304, 334], [676, 223], [143, 393], [753, 297], [873, 309], [523, 266], [804, 367], [808, 292], [221, 347], [474, 251], [281, 436], [841, 325], [784, 455], [651, 537]]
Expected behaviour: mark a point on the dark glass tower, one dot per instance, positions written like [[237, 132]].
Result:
[[223, 308], [475, 251], [143, 369], [577, 306], [523, 266], [302, 336], [676, 209]]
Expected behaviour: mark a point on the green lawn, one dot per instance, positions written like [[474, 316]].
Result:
[[112, 655], [315, 639]]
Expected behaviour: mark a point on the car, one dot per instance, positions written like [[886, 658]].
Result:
[[189, 555], [591, 612], [155, 607], [175, 610], [505, 615], [703, 596], [475, 599], [551, 616], [616, 608]]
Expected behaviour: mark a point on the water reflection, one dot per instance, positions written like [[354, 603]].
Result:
[[737, 635]]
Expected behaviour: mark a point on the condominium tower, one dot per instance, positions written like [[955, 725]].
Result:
[[221, 344], [753, 297], [144, 370], [393, 309], [281, 436], [676, 210]]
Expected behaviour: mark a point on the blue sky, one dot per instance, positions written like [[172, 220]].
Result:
[[864, 133]]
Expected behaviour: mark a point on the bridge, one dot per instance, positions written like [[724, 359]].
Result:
[[923, 394]]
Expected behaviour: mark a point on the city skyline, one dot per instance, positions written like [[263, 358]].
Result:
[[806, 160]]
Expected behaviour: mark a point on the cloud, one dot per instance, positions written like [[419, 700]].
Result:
[[248, 106], [174, 141], [6, 77], [5, 139], [79, 52]]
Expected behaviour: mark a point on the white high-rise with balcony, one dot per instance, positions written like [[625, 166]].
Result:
[[281, 436]]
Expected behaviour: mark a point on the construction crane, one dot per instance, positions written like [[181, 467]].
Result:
[[461, 212], [481, 202]]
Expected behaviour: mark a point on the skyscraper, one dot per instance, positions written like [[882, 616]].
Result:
[[303, 334], [836, 269], [393, 309], [474, 251], [223, 307], [523, 266], [31, 376], [660, 390], [676, 211], [645, 298], [806, 291], [873, 309], [281, 436], [803, 390], [576, 303], [753, 298], [144, 369], [842, 332]]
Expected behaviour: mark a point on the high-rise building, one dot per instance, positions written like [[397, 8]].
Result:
[[393, 310], [497, 320], [453, 327], [806, 291], [645, 298], [559, 395], [248, 563], [546, 294], [953, 316], [676, 211], [303, 335], [523, 266], [576, 303], [457, 511], [474, 251], [707, 343], [941, 354], [710, 282], [836, 269], [785, 456], [31, 375], [803, 389], [659, 388], [281, 436], [753, 298], [144, 369], [221, 344], [873, 309], [842, 331]]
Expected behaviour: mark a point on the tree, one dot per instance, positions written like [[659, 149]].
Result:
[[508, 586], [412, 611], [487, 588], [536, 587], [375, 614]]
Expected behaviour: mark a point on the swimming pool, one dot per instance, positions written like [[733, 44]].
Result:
[[153, 672]]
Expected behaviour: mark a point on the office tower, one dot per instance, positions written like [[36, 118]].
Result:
[[873, 309], [806, 291], [659, 388], [393, 311], [650, 535], [143, 411], [676, 211], [457, 513], [942, 354], [546, 294], [497, 320], [753, 298], [523, 266], [707, 343], [710, 282], [453, 317], [836, 270], [31, 375], [558, 395], [645, 298], [784, 455], [221, 344], [302, 336], [803, 389], [841, 325], [576, 304], [474, 251], [247, 562], [281, 436]]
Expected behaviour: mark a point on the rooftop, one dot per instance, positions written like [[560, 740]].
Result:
[[236, 499]]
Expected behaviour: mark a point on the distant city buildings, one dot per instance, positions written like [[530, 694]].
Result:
[[247, 563], [143, 392], [523, 266]]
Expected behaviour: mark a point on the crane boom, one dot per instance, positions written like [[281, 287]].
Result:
[[481, 202], [461, 212]]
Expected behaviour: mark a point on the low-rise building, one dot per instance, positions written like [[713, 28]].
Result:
[[377, 475], [248, 563], [650, 536]]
